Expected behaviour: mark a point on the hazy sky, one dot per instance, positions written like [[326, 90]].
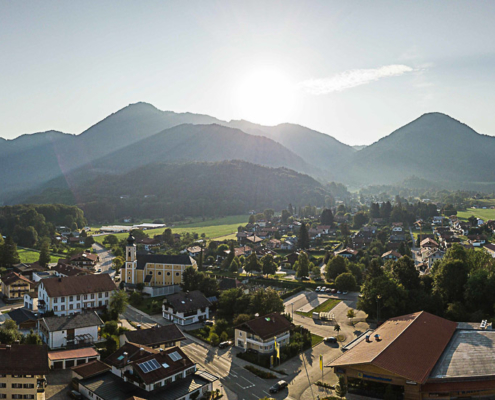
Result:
[[356, 70]]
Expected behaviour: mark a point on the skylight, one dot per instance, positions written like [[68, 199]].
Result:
[[175, 356]]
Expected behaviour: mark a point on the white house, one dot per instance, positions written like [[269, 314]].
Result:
[[186, 308], [31, 301], [71, 330], [75, 294]]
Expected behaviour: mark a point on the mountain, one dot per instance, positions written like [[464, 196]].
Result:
[[314, 147], [435, 147], [193, 189]]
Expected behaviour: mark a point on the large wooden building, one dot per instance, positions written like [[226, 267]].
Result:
[[421, 356]]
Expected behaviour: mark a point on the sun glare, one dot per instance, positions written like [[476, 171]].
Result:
[[266, 97]]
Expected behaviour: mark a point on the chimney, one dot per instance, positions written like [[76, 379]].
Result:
[[367, 338], [8, 347], [60, 279], [125, 357], [161, 350], [141, 351]]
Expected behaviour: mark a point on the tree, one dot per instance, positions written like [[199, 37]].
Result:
[[44, 259], [32, 338], [167, 236], [140, 286], [252, 264], [303, 238], [138, 234], [450, 279], [290, 209], [303, 265], [9, 253], [208, 286], [268, 265], [9, 332], [234, 265], [111, 240], [326, 217], [118, 302], [336, 328], [359, 219], [350, 313], [341, 388], [268, 214], [118, 263], [285, 216], [89, 241], [241, 318], [252, 220], [335, 267], [265, 302], [406, 273], [191, 279], [345, 230], [345, 282]]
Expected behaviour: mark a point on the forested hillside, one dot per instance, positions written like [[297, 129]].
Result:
[[193, 189]]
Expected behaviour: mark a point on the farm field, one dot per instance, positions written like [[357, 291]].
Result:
[[30, 256], [213, 228], [484, 214]]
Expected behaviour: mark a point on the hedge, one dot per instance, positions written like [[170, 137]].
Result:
[[292, 292], [289, 284]]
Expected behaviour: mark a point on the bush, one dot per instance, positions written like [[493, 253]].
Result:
[[111, 327], [136, 299], [292, 292], [224, 337], [214, 339]]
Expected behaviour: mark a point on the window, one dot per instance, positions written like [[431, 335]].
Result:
[[55, 300], [100, 295], [17, 386], [177, 273], [159, 272], [168, 273], [29, 396], [17, 396], [92, 295], [3, 385], [106, 302], [78, 297], [70, 306], [106, 294], [150, 272], [3, 396], [85, 297], [29, 386], [55, 308], [62, 307], [62, 299], [71, 298]]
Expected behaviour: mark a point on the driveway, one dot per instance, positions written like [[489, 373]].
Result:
[[58, 384]]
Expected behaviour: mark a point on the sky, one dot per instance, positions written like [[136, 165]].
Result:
[[356, 70]]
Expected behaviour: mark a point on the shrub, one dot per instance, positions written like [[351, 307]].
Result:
[[214, 339], [224, 337]]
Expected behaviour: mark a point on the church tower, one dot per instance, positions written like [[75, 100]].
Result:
[[130, 260]]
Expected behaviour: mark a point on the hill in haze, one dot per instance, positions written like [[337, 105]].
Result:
[[434, 147], [193, 189]]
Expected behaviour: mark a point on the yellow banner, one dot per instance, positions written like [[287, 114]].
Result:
[[321, 362]]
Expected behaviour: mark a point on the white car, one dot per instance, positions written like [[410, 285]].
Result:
[[344, 292], [318, 289], [98, 270]]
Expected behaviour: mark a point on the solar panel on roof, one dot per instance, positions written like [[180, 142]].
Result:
[[144, 367], [175, 356], [154, 364]]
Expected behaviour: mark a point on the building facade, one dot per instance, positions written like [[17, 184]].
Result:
[[186, 308], [154, 270], [15, 286]]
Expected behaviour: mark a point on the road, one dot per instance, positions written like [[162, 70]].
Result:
[[106, 258]]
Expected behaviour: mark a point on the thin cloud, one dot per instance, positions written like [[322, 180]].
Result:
[[352, 78]]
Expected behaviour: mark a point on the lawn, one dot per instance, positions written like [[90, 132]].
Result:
[[146, 304], [484, 214], [315, 339], [323, 307], [29, 256], [213, 228]]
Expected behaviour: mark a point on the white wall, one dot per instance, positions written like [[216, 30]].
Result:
[[59, 338]]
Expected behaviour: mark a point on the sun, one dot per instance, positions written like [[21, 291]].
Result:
[[266, 96]]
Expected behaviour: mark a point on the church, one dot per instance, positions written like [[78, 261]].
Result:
[[154, 269]]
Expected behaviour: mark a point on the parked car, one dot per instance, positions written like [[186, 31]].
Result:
[[318, 279], [334, 290], [330, 339], [338, 292], [345, 292], [323, 288], [305, 278], [328, 290], [223, 345], [209, 322], [75, 395], [318, 289], [278, 386]]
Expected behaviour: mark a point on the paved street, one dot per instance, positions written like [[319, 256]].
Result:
[[106, 258]]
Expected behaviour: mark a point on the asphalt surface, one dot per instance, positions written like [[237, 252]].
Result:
[[106, 258]]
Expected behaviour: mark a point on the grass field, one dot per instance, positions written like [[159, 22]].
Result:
[[213, 228], [484, 214], [315, 339], [30, 256], [323, 307]]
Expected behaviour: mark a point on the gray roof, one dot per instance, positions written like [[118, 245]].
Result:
[[470, 353], [182, 259], [73, 321], [20, 315], [185, 302], [109, 387], [155, 336]]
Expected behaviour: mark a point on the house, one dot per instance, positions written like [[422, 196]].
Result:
[[260, 333], [254, 239], [85, 259], [89, 370], [76, 240], [71, 330], [292, 258], [429, 256], [65, 269], [397, 227], [194, 251], [391, 255], [243, 251], [185, 308], [274, 244], [490, 249], [397, 238], [64, 359], [438, 220], [74, 294], [154, 269], [31, 300], [477, 240], [27, 270], [158, 337], [23, 370], [429, 243], [288, 244], [15, 286], [24, 319], [241, 237], [148, 243], [346, 253], [139, 372]]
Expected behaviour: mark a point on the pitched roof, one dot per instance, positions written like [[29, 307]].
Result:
[[184, 302], [77, 353], [428, 241], [155, 336], [85, 255], [254, 239], [12, 277], [346, 250], [182, 259], [391, 252], [62, 323], [134, 352], [23, 359], [409, 346], [266, 326], [92, 368], [20, 315], [69, 270], [81, 284]]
